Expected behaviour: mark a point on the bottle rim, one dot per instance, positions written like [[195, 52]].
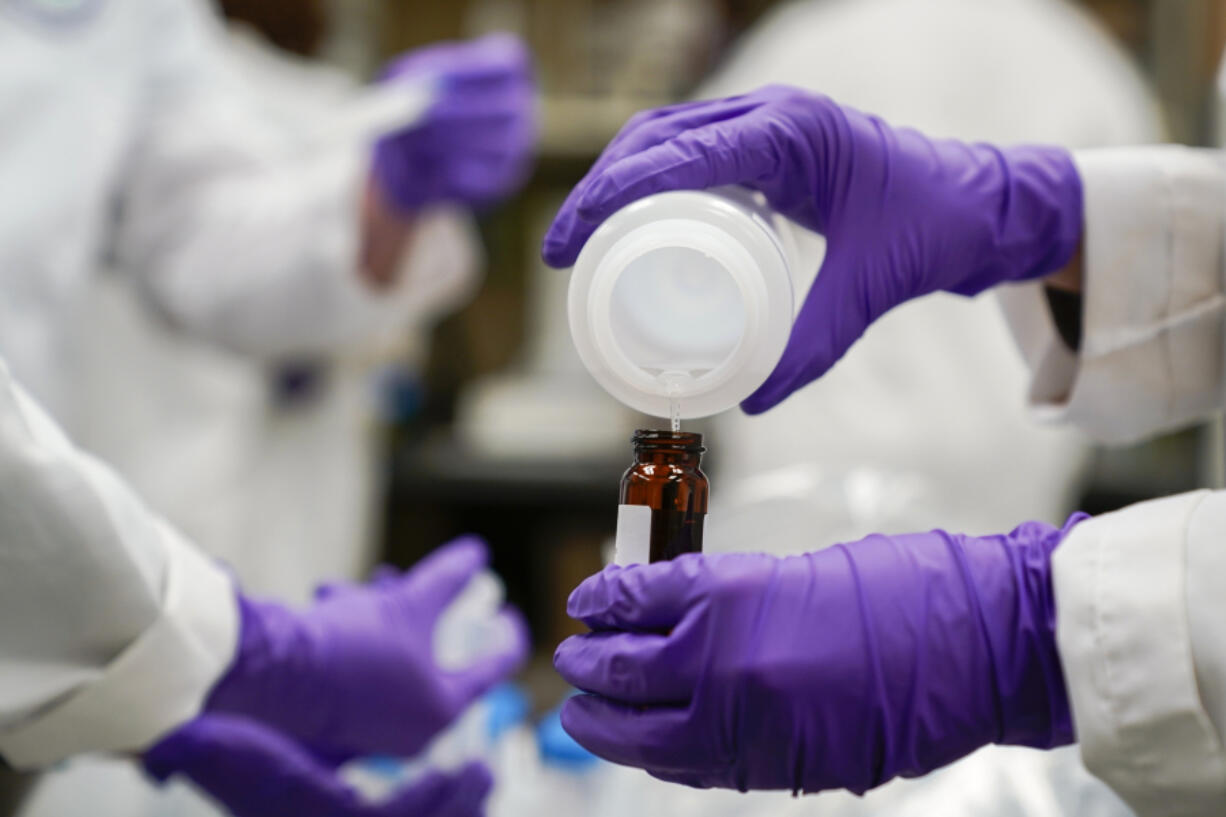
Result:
[[689, 441]]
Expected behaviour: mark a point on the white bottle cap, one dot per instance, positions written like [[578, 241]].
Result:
[[682, 294]]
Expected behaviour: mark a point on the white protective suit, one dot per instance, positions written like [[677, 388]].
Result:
[[930, 398], [126, 137]]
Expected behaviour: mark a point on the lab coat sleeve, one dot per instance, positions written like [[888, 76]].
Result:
[[1141, 627], [1153, 302], [237, 232], [112, 628]]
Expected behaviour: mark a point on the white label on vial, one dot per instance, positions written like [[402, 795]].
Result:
[[633, 543]]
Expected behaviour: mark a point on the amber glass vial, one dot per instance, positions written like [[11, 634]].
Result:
[[667, 477]]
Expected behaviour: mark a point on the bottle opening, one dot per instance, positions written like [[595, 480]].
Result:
[[688, 441], [676, 309]]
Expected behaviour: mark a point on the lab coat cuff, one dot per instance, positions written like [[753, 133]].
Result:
[[1124, 639], [156, 684], [1152, 330]]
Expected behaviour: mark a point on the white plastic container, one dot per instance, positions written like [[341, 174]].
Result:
[[684, 295]]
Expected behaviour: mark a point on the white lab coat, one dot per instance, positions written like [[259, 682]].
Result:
[[1141, 593], [125, 136], [112, 627]]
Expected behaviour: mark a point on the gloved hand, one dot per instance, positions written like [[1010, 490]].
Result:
[[254, 771], [903, 215], [475, 143], [844, 668], [356, 671]]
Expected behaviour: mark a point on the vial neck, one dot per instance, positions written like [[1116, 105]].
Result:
[[660, 456]]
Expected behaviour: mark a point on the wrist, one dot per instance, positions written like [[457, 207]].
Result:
[[386, 231], [1068, 278]]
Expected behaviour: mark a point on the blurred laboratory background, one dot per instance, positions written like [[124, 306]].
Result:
[[476, 414]]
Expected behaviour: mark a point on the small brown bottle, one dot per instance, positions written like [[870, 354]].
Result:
[[667, 478]]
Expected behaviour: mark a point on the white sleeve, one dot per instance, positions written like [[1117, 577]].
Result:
[[112, 628], [1141, 626], [1151, 356], [238, 232]]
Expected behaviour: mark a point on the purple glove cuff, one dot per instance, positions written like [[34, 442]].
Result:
[[1037, 222], [1033, 698], [273, 653]]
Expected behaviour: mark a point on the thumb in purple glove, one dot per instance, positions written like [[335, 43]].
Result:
[[475, 144], [356, 672], [903, 215], [254, 771], [843, 668]]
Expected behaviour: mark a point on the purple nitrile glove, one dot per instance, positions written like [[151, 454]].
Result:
[[844, 668], [475, 143], [255, 771], [903, 215], [356, 671]]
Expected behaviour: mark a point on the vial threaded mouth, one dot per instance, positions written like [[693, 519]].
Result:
[[664, 438]]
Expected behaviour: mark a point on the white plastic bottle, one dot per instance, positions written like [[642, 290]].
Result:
[[468, 630], [685, 300]]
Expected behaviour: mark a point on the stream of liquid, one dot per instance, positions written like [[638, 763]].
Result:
[[673, 380]]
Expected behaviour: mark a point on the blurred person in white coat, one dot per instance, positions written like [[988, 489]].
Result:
[[130, 143], [269, 464]]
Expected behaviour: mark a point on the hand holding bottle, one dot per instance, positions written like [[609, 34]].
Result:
[[843, 668], [903, 215]]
